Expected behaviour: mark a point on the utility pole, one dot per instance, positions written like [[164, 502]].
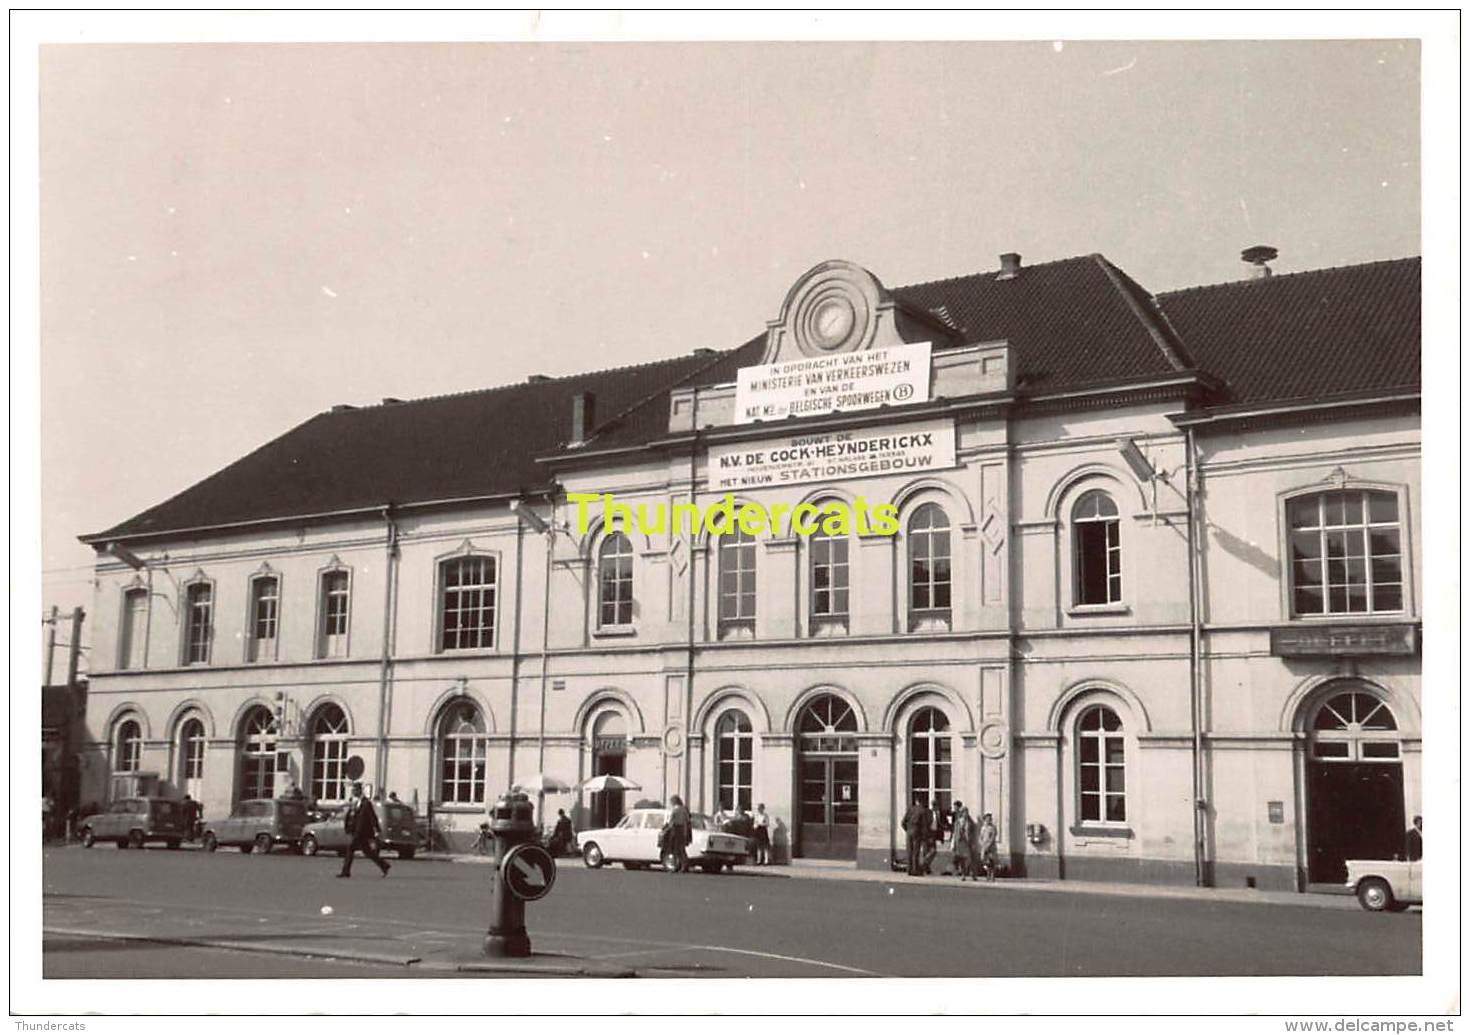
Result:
[[50, 641], [75, 652]]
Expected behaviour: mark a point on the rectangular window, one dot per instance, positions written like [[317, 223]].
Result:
[[336, 611], [265, 603], [199, 628], [467, 604], [133, 637], [463, 776], [1346, 553], [1099, 563], [829, 578], [737, 585]]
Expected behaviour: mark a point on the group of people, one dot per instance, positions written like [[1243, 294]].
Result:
[[754, 828], [973, 843]]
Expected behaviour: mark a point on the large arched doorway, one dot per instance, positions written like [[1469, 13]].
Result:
[[258, 759], [1355, 785], [828, 804]]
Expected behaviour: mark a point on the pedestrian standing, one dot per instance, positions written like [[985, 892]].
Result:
[[193, 818], [679, 834], [762, 825], [934, 833], [986, 837], [963, 839], [915, 828], [362, 827]]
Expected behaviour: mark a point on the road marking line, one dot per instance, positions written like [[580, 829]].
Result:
[[743, 952]]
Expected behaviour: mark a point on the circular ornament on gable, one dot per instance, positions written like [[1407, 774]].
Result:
[[994, 738], [834, 309]]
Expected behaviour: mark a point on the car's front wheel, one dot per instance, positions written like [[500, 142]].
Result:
[[135, 839], [406, 853], [209, 842], [88, 838], [263, 843], [592, 855], [309, 845], [1375, 895]]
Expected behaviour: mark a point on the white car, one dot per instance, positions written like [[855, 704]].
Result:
[[1390, 884], [634, 843]]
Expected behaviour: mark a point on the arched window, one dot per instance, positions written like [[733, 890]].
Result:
[[258, 755], [191, 757], [1354, 727], [609, 758], [829, 582], [462, 750], [737, 585], [1096, 550], [734, 759], [931, 758], [467, 603], [1346, 553], [615, 582], [1100, 766], [129, 747], [828, 725], [929, 569], [329, 754]]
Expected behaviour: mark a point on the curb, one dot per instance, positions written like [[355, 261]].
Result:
[[268, 948]]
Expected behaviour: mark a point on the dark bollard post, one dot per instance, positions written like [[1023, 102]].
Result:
[[511, 825]]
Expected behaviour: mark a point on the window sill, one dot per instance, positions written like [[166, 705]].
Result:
[[823, 628], [1083, 610], [1091, 830], [1359, 617], [737, 629], [930, 623], [615, 630], [460, 652]]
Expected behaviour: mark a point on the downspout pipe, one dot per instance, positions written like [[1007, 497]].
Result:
[[390, 598], [1198, 805], [515, 653], [687, 762]]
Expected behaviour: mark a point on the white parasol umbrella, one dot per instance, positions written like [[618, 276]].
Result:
[[541, 783], [608, 782]]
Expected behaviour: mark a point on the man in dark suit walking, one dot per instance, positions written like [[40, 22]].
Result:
[[362, 825], [916, 829]]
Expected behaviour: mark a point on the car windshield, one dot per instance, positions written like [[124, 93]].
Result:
[[623, 823]]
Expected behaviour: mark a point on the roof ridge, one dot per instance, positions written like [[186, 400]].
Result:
[[1277, 277], [984, 273], [523, 383], [1153, 320]]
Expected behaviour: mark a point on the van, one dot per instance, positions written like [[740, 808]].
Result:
[[258, 825], [133, 822]]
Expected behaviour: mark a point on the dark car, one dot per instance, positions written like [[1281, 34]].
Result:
[[133, 822], [397, 829], [258, 825]]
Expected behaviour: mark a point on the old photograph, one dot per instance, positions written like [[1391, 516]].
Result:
[[594, 505]]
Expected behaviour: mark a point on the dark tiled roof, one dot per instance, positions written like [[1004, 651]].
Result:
[[1070, 323], [1332, 332]]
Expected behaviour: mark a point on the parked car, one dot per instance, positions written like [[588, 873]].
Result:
[[258, 825], [133, 822], [634, 843], [397, 829], [1391, 884]]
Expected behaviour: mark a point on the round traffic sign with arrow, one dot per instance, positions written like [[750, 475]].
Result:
[[529, 871]]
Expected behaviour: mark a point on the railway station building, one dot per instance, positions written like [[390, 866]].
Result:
[[1153, 598]]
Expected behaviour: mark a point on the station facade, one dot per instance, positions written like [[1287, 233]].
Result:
[[1152, 602]]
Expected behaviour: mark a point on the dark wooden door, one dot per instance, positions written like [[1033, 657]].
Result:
[[1354, 811], [828, 812]]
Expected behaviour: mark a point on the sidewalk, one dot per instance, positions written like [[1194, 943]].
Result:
[[830, 869]]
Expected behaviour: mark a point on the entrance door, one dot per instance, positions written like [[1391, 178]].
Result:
[[1355, 786], [1356, 812], [829, 807]]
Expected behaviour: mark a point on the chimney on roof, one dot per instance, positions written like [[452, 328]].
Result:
[[1010, 265], [703, 352], [582, 417], [536, 379], [1257, 256]]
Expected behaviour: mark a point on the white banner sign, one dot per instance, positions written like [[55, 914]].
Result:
[[832, 384], [832, 456]]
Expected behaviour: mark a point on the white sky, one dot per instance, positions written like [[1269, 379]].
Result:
[[237, 237]]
